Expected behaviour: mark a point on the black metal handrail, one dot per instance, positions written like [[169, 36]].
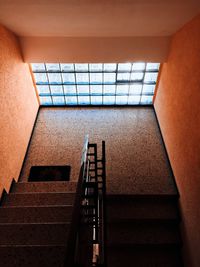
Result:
[[87, 235]]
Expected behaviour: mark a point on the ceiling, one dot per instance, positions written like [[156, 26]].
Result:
[[96, 18]]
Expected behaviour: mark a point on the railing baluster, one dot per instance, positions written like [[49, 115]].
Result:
[[88, 232]]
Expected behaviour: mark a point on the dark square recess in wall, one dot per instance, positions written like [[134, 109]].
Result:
[[49, 173]]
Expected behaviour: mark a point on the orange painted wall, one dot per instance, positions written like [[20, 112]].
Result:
[[177, 105], [18, 108]]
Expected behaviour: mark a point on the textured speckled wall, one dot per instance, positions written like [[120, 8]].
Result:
[[177, 106], [18, 108], [136, 160]]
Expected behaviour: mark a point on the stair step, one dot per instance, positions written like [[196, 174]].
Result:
[[143, 232], [32, 256], [38, 199], [42, 187], [41, 214], [144, 256], [34, 234], [146, 207]]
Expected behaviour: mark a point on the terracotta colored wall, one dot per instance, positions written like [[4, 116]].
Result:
[[18, 107], [177, 105], [136, 160]]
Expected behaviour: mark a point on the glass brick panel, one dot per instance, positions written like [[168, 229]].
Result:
[[134, 100], [81, 67], [96, 78], [53, 67], [45, 100], [56, 89], [109, 78], [41, 78], [84, 100], [148, 89], [67, 67], [38, 67], [109, 89], [124, 67], [71, 100], [138, 66], [150, 77], [68, 78], [83, 89], [96, 84], [146, 99], [95, 67], [121, 100], [96, 89], [82, 78], [96, 100], [152, 66], [69, 89], [135, 89], [109, 100], [110, 67], [43, 89], [137, 76], [54, 78], [122, 89], [122, 77], [58, 100]]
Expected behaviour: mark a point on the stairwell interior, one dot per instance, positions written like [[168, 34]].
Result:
[[142, 198]]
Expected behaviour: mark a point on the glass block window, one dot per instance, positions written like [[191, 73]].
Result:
[[95, 84]]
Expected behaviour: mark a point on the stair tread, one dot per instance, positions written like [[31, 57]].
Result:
[[35, 223], [34, 233], [35, 214], [34, 226], [40, 193], [36, 206], [145, 243], [143, 256], [58, 186], [143, 229], [141, 232], [33, 246], [48, 183], [126, 207], [35, 220], [38, 198], [141, 246], [143, 219], [142, 195], [32, 256]]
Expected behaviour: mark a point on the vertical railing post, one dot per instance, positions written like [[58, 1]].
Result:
[[88, 227], [104, 215]]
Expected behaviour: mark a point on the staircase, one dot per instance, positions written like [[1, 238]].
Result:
[[62, 224], [34, 224], [56, 224], [143, 231]]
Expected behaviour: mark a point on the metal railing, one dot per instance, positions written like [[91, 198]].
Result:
[[87, 236]]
